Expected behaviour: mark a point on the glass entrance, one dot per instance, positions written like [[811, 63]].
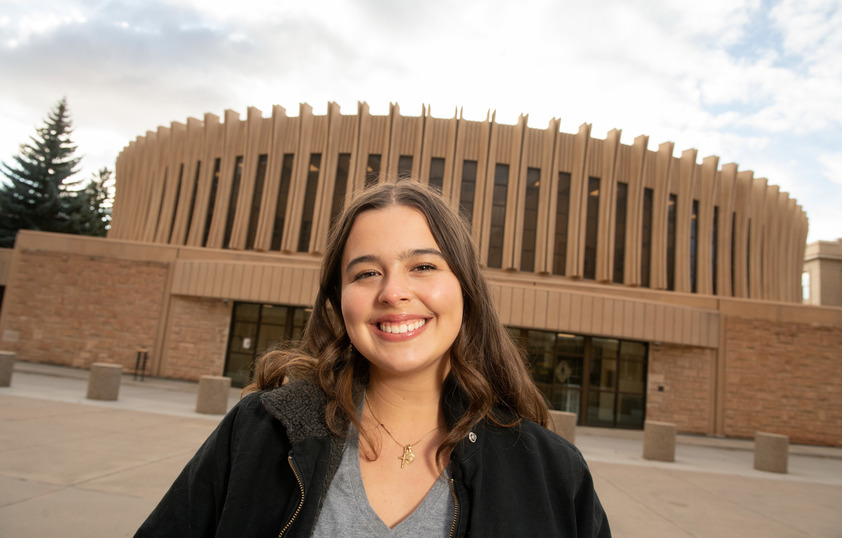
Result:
[[602, 380], [256, 328]]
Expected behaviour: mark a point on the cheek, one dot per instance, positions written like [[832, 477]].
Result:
[[350, 307], [449, 298]]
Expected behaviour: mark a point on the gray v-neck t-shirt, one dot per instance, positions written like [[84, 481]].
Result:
[[347, 512]]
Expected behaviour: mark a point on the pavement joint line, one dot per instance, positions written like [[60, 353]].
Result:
[[55, 488]]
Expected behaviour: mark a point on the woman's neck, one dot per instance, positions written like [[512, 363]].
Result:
[[405, 405]]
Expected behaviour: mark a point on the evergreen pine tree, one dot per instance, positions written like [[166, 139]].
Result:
[[90, 212], [36, 197]]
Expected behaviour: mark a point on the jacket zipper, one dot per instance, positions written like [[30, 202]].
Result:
[[455, 509], [300, 503]]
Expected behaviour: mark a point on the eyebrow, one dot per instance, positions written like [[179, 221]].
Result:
[[370, 258]]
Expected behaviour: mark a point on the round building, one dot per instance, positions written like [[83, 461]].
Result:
[[642, 285]]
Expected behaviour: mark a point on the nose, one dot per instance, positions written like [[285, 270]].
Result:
[[396, 289]]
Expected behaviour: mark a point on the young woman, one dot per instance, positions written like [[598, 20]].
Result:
[[406, 411]]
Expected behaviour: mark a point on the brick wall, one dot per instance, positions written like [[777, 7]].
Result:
[[75, 310], [784, 378], [196, 338], [680, 387]]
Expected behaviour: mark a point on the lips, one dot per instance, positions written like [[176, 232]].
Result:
[[401, 326]]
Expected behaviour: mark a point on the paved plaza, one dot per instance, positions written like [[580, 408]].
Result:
[[74, 468]]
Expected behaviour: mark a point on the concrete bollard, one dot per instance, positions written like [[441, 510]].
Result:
[[7, 364], [658, 441], [771, 452], [104, 381], [564, 424], [213, 395]]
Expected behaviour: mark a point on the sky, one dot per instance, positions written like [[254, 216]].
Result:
[[755, 82]]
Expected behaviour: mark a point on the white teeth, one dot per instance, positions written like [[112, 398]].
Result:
[[397, 328]]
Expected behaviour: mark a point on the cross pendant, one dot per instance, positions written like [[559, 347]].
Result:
[[407, 457]]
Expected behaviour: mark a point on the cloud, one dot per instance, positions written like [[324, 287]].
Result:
[[755, 82], [832, 167]]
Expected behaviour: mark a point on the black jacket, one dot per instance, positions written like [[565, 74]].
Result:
[[266, 468]]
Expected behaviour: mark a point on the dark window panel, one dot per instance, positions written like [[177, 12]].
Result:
[[340, 186], [620, 232], [372, 169], [309, 202], [232, 202], [177, 198], [591, 228], [193, 198], [436, 173], [211, 201], [468, 191], [530, 220], [673, 203], [646, 239], [256, 199], [694, 245], [498, 216], [562, 217], [281, 206], [715, 250], [405, 166]]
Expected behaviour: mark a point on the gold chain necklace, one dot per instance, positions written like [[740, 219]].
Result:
[[407, 457]]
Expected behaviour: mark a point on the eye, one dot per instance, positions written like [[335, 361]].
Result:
[[424, 267], [362, 275]]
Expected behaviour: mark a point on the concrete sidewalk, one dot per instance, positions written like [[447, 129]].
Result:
[[79, 468]]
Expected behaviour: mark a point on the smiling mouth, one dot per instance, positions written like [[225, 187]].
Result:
[[403, 327]]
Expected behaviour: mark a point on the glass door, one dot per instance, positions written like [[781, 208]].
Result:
[[256, 328], [241, 343], [616, 391], [602, 380]]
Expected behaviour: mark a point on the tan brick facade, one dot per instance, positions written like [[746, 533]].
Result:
[[75, 310], [767, 366], [783, 377], [681, 385], [196, 338]]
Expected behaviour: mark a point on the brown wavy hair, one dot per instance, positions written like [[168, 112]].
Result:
[[489, 369]]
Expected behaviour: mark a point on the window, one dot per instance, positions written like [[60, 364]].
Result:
[[340, 186], [211, 201], [562, 217], [372, 170], [498, 215], [405, 166], [309, 202], [436, 173], [715, 249], [646, 239], [733, 247], [591, 228], [620, 232], [694, 245], [805, 286], [193, 198], [468, 191], [748, 258], [281, 207], [671, 242], [160, 202], [232, 202], [530, 220], [256, 198], [177, 198]]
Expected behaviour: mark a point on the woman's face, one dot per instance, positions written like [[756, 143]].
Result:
[[401, 303]]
